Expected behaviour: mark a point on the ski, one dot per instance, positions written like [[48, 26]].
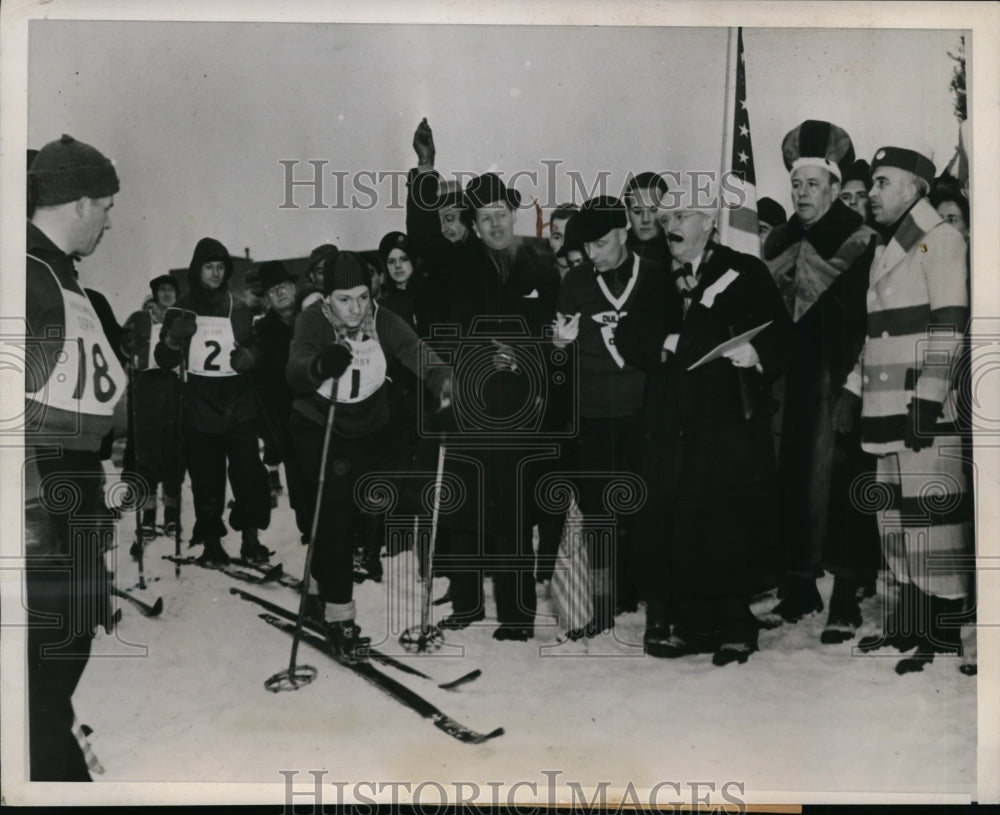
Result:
[[374, 654], [145, 609], [269, 576], [390, 686], [265, 568]]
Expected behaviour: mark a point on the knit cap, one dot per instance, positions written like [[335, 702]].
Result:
[[67, 170], [347, 271]]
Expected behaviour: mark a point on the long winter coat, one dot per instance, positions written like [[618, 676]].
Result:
[[822, 271], [707, 526]]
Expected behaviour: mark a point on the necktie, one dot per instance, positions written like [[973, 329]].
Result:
[[684, 278]]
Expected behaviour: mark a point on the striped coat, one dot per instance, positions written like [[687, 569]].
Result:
[[917, 293]]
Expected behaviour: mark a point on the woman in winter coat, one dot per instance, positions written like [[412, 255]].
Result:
[[340, 352], [213, 333]]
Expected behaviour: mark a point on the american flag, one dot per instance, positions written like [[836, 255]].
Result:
[[738, 220]]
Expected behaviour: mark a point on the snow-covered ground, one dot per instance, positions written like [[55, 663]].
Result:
[[181, 698]]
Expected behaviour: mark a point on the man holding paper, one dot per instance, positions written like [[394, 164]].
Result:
[[709, 457]]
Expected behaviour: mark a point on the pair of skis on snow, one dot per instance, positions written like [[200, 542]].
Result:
[[284, 620]]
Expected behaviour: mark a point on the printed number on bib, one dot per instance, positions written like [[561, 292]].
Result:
[[211, 346], [363, 378]]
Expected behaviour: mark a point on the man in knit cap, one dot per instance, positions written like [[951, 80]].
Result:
[[820, 260], [769, 215], [918, 311], [854, 188], [72, 382]]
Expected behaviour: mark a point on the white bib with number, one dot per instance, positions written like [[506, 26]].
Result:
[[365, 375], [211, 345], [86, 376]]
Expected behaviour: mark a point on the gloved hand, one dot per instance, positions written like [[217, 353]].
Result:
[[921, 420], [178, 326], [332, 361], [242, 359], [845, 412], [423, 143]]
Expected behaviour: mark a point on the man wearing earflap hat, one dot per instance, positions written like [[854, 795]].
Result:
[[72, 382], [918, 311], [820, 260]]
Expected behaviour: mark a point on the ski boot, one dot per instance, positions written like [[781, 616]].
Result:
[[345, 640], [901, 628], [214, 554], [252, 550], [147, 524]]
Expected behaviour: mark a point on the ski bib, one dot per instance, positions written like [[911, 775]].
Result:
[[365, 375], [87, 377], [211, 345], [608, 320]]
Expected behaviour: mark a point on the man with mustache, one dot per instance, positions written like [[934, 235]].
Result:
[[820, 260], [708, 456]]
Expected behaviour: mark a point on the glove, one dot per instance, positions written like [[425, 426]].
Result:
[[178, 326], [423, 143], [845, 412], [332, 361], [242, 359], [921, 421]]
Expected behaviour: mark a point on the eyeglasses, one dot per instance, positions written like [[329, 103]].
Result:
[[281, 288]]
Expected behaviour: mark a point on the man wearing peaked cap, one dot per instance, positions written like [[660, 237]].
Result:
[[820, 260], [592, 299], [918, 310]]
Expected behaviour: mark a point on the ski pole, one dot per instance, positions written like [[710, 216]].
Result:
[[294, 676], [139, 540], [182, 376]]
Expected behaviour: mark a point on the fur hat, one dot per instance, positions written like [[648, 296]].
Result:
[[818, 144], [164, 280], [67, 170]]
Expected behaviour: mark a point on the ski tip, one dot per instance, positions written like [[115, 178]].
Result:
[[157, 607]]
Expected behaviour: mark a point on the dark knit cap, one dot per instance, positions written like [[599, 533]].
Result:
[[859, 172], [393, 240], [487, 189], [321, 253], [904, 159], [271, 274], [163, 280], [346, 272], [771, 212], [67, 170], [598, 216], [647, 181], [450, 195]]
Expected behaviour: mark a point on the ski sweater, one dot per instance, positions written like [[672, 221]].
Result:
[[73, 379], [362, 392], [608, 386]]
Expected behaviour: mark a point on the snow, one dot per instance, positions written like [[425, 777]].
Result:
[[180, 698]]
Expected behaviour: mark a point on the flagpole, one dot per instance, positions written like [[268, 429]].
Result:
[[727, 124]]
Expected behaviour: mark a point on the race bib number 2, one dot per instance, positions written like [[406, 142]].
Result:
[[211, 346]]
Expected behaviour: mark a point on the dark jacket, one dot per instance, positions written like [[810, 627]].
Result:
[[214, 404], [706, 526]]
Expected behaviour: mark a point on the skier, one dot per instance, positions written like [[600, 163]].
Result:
[[219, 408], [72, 382], [340, 352], [153, 451]]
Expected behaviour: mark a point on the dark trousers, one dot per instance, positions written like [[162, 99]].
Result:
[[340, 519], [67, 531], [513, 577], [152, 449], [207, 456]]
